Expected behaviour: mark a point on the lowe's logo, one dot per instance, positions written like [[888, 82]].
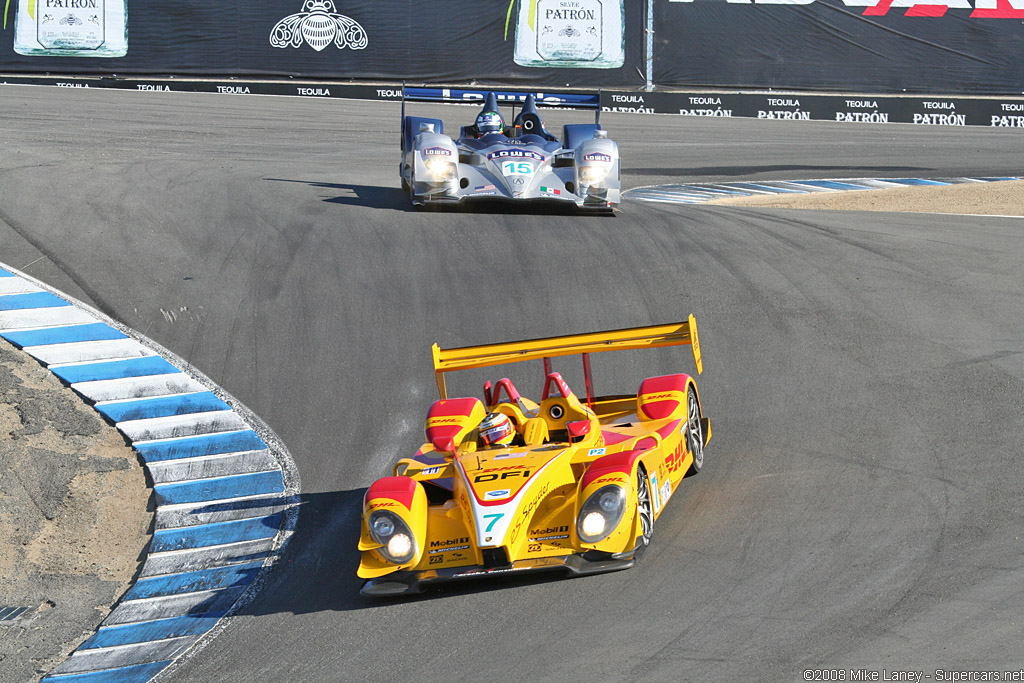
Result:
[[436, 152], [598, 156], [473, 96], [515, 153]]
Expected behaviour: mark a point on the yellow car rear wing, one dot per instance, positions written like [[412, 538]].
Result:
[[651, 337]]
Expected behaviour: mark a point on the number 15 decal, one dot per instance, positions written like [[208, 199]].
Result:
[[493, 521], [513, 168]]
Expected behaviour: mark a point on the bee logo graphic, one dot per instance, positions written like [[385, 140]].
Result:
[[319, 25]]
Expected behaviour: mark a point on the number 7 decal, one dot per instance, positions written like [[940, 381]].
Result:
[[493, 521]]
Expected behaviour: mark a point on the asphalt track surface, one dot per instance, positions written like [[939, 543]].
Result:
[[860, 504]]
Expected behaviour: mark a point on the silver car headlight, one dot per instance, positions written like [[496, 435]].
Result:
[[394, 535], [442, 169], [601, 513], [592, 174]]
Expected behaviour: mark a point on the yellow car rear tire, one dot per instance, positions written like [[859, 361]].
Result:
[[644, 509], [694, 432]]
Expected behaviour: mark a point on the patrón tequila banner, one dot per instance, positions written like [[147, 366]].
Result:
[[571, 33], [71, 28]]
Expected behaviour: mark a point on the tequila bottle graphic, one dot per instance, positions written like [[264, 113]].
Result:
[[72, 28], [571, 33]]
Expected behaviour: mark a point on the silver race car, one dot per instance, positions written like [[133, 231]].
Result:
[[521, 162]]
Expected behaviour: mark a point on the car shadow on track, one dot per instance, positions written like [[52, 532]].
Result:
[[518, 207], [317, 571], [370, 196], [377, 197]]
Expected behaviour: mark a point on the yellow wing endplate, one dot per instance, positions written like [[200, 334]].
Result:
[[486, 355], [691, 323]]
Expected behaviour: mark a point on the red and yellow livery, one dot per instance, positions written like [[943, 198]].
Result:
[[579, 488]]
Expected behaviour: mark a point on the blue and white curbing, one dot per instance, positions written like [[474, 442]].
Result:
[[700, 193], [224, 484]]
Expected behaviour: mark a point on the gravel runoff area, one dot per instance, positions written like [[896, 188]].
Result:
[[75, 518], [76, 509], [1001, 198]]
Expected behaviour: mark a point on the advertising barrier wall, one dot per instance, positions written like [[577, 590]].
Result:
[[553, 42], [877, 46], [956, 47], [638, 52]]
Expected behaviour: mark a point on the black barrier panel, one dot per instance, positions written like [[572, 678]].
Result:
[[687, 104], [852, 109], [1002, 114], [879, 46], [222, 87], [556, 43], [930, 111]]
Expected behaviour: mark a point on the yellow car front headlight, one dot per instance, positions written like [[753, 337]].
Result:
[[394, 535], [601, 513]]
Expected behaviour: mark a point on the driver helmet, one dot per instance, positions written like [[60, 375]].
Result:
[[489, 122], [497, 430]]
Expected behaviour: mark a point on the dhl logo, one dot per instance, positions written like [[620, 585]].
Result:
[[382, 504], [674, 395], [674, 460], [444, 421], [609, 479]]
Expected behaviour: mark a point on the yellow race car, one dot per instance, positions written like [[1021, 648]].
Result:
[[509, 485]]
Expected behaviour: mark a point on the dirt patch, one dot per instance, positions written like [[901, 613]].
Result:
[[75, 517], [1002, 198]]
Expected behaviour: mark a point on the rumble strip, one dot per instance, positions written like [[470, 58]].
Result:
[[225, 486]]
